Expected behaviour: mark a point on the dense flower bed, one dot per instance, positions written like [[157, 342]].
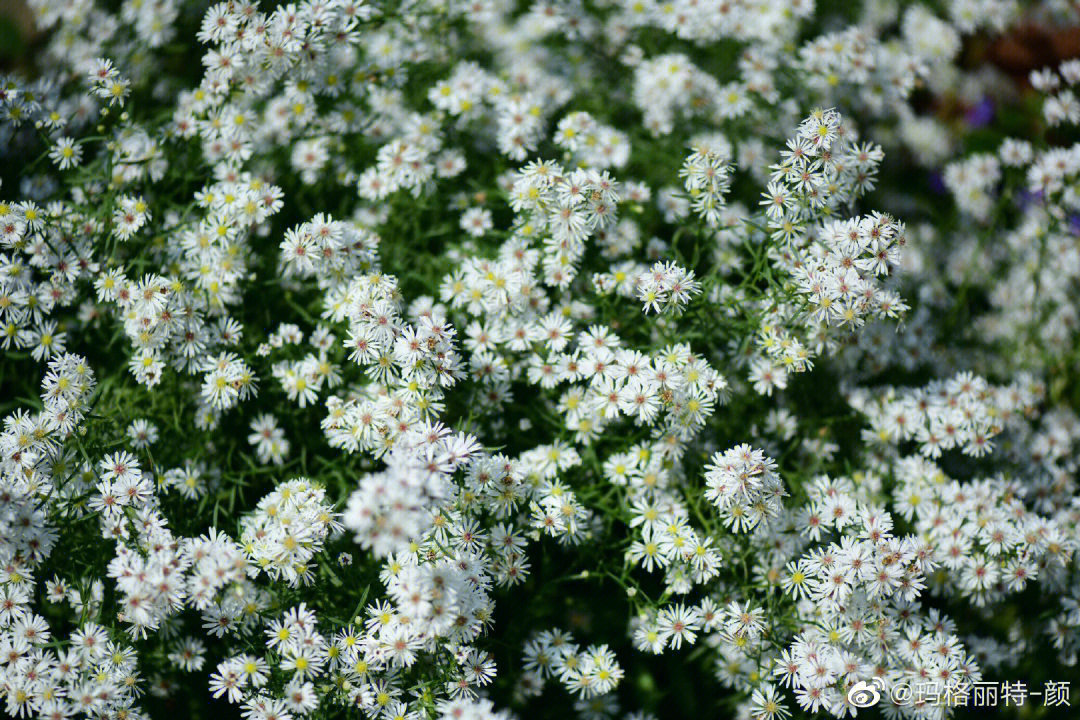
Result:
[[435, 359]]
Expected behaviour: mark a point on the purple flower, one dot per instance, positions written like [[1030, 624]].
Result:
[[1074, 224], [982, 113], [936, 182]]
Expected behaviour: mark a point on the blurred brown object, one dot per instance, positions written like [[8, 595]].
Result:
[[17, 33], [1032, 47], [21, 16]]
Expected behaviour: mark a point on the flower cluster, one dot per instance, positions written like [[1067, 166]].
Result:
[[353, 348], [742, 482], [287, 529], [391, 509], [963, 412], [554, 654]]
